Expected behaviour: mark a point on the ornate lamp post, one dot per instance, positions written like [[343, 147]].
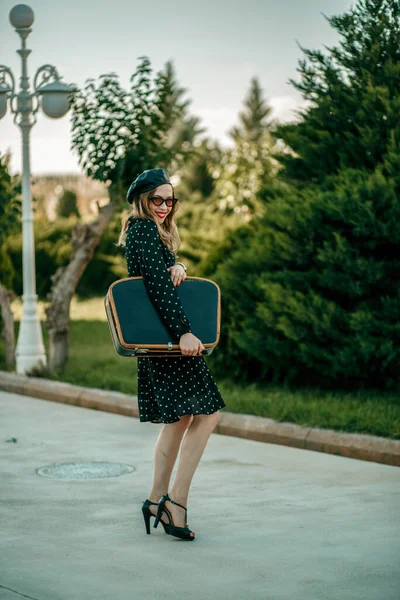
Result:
[[52, 95]]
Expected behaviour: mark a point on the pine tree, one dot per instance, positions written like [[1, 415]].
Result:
[[181, 128], [313, 294], [249, 164], [354, 95]]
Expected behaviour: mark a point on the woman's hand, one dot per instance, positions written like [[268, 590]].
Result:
[[190, 345], [177, 274]]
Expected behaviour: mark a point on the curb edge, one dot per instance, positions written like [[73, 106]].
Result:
[[261, 429]]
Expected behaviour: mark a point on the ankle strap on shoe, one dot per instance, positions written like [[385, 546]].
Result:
[[173, 502]]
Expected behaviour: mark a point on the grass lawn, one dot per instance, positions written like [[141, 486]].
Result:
[[93, 362]]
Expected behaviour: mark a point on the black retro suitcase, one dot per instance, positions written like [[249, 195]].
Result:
[[137, 328]]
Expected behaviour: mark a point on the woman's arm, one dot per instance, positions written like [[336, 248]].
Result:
[[142, 238]]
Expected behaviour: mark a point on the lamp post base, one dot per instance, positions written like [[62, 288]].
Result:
[[30, 351]]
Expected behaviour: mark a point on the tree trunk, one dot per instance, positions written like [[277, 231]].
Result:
[[6, 296], [84, 240]]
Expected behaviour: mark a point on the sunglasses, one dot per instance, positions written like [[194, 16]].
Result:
[[158, 201]]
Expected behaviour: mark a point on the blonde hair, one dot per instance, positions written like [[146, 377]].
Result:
[[167, 229]]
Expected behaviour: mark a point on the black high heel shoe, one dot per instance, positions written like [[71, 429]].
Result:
[[179, 532], [147, 514]]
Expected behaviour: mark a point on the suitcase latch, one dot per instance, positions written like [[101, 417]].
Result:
[[170, 345]]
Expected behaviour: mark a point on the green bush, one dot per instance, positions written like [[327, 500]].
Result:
[[107, 265], [313, 296], [6, 269], [10, 213], [53, 249], [67, 205]]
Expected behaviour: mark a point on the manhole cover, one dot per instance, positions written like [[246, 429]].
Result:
[[84, 470]]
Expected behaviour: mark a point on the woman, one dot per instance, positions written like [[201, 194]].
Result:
[[179, 392]]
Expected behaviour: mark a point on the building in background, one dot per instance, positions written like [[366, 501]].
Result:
[[48, 189]]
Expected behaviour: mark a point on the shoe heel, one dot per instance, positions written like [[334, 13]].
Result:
[[159, 512], [157, 519], [146, 515]]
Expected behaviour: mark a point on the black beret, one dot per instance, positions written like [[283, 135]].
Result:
[[146, 181]]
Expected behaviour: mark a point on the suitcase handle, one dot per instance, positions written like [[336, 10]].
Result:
[[143, 351]]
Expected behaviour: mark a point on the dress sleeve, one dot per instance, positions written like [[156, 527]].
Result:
[[144, 240]]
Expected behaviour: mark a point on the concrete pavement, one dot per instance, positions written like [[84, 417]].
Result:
[[271, 521]]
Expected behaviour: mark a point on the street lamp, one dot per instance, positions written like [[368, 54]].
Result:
[[53, 96]]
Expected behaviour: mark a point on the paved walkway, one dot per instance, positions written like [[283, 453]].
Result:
[[271, 522]]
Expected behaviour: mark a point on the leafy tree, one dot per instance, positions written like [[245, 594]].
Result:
[[117, 133]]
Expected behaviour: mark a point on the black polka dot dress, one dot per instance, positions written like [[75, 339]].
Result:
[[167, 387]]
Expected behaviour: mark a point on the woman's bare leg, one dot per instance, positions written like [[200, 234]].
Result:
[[193, 446], [166, 451]]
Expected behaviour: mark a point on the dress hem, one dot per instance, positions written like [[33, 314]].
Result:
[[180, 415]]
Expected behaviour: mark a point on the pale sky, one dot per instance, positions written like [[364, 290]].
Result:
[[216, 46]]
